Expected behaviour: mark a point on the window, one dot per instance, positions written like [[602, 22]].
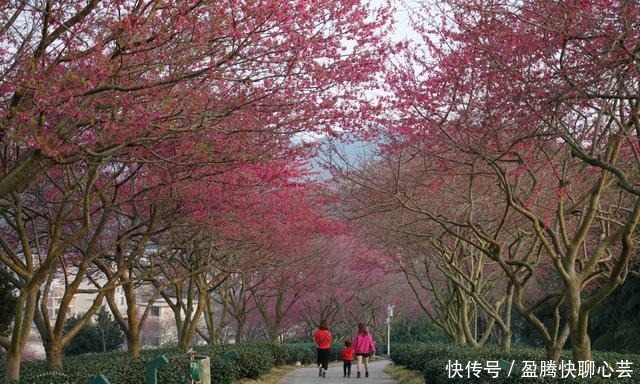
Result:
[[155, 311]]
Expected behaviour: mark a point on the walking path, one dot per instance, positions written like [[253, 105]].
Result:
[[334, 375]]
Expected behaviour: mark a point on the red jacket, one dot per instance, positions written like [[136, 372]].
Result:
[[323, 338], [347, 353]]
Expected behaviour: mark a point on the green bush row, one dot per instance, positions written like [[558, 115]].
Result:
[[252, 360], [437, 362]]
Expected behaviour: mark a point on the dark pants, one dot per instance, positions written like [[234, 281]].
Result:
[[323, 358], [346, 368]]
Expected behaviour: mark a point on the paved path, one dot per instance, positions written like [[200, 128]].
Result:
[[334, 375]]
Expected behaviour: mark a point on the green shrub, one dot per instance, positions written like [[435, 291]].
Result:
[[252, 361], [100, 335], [290, 354], [310, 353], [223, 371]]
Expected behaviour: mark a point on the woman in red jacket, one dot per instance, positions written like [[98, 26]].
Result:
[[323, 342]]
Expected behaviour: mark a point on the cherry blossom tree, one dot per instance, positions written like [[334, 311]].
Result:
[[414, 218], [88, 79], [540, 94], [197, 88], [53, 233]]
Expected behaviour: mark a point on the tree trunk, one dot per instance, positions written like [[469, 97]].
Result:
[[463, 320], [239, 330], [54, 355], [133, 335], [273, 336], [189, 326], [180, 327], [13, 365], [460, 339], [210, 321], [133, 342], [505, 343], [135, 321], [578, 324], [273, 332], [183, 343], [580, 340], [15, 353], [554, 340], [553, 352], [25, 309]]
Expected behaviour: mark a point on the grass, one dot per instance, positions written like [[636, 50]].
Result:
[[272, 377], [403, 375]]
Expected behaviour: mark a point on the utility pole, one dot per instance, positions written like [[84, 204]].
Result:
[[389, 316]]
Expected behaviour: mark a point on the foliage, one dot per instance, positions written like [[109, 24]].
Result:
[[253, 360], [509, 163], [431, 359], [7, 302], [174, 125], [615, 326], [411, 331], [103, 335], [284, 354]]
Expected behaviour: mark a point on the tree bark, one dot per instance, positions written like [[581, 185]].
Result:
[[460, 339], [580, 345], [134, 324], [463, 319], [133, 342], [239, 329], [54, 355], [505, 343], [189, 325], [26, 306], [273, 332], [578, 324], [13, 365], [209, 319], [553, 352]]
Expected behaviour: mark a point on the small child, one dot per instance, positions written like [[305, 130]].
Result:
[[347, 356]]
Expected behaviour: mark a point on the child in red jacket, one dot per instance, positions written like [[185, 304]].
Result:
[[347, 357]]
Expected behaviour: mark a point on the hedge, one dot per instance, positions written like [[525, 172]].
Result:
[[252, 360], [432, 359]]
